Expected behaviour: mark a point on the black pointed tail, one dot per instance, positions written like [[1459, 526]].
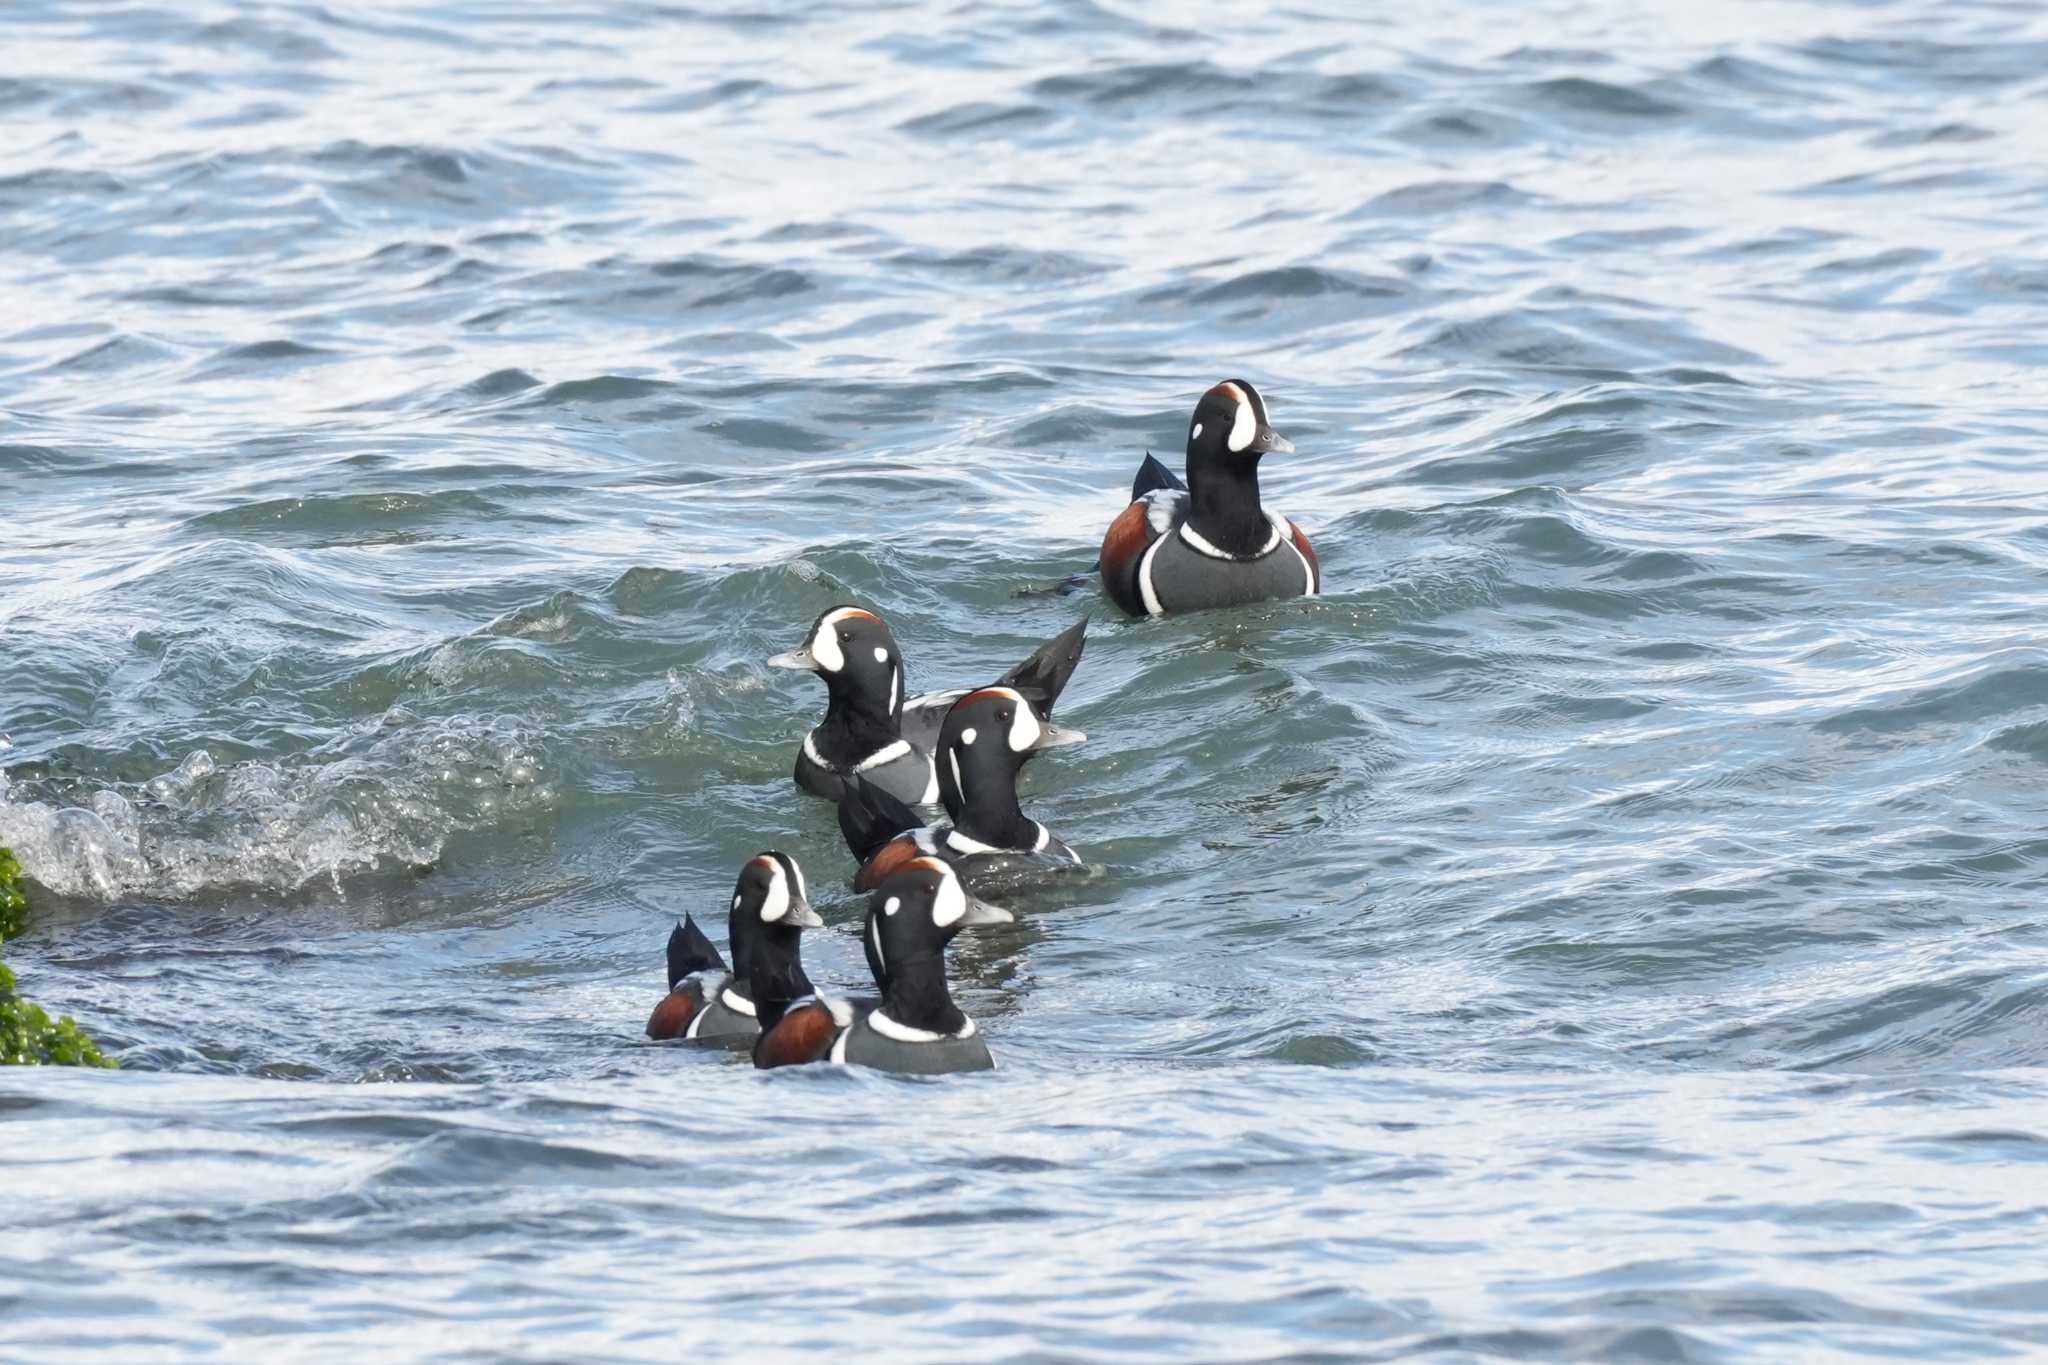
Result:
[[1043, 676], [869, 817], [689, 951], [1153, 477]]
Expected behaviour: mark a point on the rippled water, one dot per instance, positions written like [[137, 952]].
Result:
[[1607, 925]]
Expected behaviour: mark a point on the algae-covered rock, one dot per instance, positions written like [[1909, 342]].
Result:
[[13, 904], [28, 1037]]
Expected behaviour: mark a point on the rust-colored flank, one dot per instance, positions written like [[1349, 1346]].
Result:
[[888, 860], [671, 1018], [803, 1035], [1126, 539], [1307, 552]]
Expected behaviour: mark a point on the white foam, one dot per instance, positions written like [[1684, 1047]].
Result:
[[204, 828]]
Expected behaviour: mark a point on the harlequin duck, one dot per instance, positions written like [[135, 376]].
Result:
[[1208, 543], [915, 1028], [987, 738], [706, 1002], [776, 982], [870, 729], [696, 973]]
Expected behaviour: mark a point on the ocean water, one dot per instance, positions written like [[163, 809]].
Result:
[[1607, 925]]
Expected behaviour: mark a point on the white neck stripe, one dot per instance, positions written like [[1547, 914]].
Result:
[[904, 1033], [1201, 544], [960, 843], [888, 753]]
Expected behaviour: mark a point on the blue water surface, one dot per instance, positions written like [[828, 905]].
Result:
[[1606, 925]]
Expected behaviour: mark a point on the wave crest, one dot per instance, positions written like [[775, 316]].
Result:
[[204, 827]]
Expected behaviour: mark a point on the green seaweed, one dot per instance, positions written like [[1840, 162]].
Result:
[[13, 904], [28, 1037]]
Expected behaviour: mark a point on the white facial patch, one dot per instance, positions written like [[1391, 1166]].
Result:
[[775, 904], [825, 647], [892, 905], [1024, 728], [968, 736], [825, 644], [949, 903], [1244, 427], [881, 655]]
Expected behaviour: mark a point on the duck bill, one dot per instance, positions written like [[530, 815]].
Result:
[[980, 912], [1269, 441], [802, 916], [799, 659], [1052, 736]]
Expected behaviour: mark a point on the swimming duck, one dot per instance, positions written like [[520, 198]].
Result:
[[987, 738], [915, 1027], [870, 729], [706, 1000], [1208, 542]]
